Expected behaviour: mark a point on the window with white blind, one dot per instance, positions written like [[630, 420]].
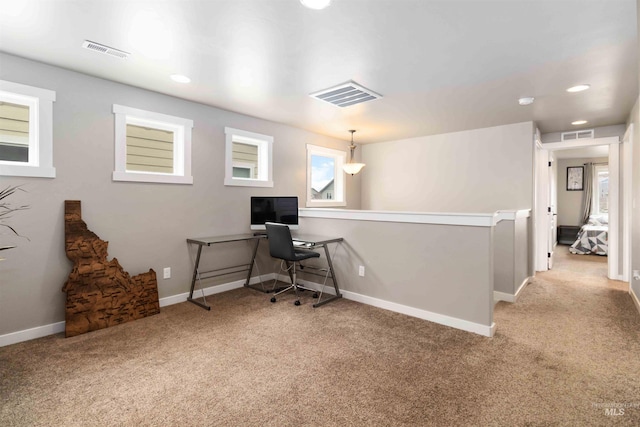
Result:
[[26, 131], [152, 147], [248, 159]]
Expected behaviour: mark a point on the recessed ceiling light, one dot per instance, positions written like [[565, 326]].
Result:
[[579, 122], [526, 100], [316, 4], [180, 78], [578, 88]]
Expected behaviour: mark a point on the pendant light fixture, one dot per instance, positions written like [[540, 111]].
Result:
[[352, 168]]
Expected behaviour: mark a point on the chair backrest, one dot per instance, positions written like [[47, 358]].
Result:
[[280, 242]]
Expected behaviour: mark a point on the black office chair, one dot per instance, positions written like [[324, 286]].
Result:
[[281, 247]]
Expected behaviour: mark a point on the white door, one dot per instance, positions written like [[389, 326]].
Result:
[[552, 209]]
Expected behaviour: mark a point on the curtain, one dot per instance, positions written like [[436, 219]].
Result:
[[587, 194]]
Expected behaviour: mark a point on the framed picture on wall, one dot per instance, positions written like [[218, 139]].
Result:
[[575, 178]]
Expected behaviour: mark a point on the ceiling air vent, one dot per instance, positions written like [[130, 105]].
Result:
[[97, 47], [578, 134], [346, 94]]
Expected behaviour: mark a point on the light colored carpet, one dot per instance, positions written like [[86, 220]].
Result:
[[567, 347]]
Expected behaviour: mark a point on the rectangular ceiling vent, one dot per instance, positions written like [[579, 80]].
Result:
[[578, 134], [346, 94], [97, 47]]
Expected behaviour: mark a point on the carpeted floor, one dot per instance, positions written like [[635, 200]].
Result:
[[564, 354]]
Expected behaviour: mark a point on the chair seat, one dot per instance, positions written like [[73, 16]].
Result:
[[301, 254]]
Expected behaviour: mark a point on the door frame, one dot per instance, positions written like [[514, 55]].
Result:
[[541, 186], [626, 205]]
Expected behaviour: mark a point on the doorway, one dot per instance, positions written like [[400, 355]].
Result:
[[577, 249], [545, 206]]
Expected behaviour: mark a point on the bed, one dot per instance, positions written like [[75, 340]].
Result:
[[593, 237]]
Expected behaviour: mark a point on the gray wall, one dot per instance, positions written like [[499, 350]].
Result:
[[511, 254], [570, 202], [146, 224], [481, 170], [442, 269]]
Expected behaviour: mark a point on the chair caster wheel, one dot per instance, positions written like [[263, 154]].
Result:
[[273, 299], [315, 295], [296, 303]]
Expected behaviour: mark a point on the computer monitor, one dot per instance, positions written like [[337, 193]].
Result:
[[274, 209]]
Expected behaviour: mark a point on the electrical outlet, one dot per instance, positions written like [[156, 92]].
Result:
[[166, 273], [361, 271], [636, 274]]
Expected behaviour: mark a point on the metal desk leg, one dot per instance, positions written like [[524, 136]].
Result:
[[193, 283], [253, 260], [333, 277]]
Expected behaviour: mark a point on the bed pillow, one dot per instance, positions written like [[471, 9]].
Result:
[[599, 219]]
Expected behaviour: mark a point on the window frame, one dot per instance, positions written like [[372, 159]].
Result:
[[265, 158], [181, 129], [40, 102], [595, 200], [339, 181]]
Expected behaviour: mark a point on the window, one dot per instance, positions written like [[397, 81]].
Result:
[[248, 158], [26, 130], [325, 179], [600, 203], [152, 147]]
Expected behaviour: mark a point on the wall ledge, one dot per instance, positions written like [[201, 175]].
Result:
[[512, 215], [468, 219]]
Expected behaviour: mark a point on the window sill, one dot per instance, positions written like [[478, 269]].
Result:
[[247, 183], [28, 171], [153, 178]]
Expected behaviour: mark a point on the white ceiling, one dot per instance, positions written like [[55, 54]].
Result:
[[441, 66]]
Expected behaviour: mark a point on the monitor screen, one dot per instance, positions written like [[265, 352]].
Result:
[[274, 209]]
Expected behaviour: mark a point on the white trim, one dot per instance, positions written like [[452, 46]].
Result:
[[339, 182], [635, 298], [503, 296], [58, 327], [265, 158], [627, 197], [541, 185], [470, 219], [40, 104], [30, 334], [216, 289], [568, 145], [512, 215], [181, 128], [454, 322], [614, 212], [465, 325], [151, 177]]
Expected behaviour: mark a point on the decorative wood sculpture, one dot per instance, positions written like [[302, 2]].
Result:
[[100, 293]]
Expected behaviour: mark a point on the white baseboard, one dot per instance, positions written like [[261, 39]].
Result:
[[58, 327], [465, 325], [503, 296], [30, 334], [176, 299], [441, 319], [635, 298]]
